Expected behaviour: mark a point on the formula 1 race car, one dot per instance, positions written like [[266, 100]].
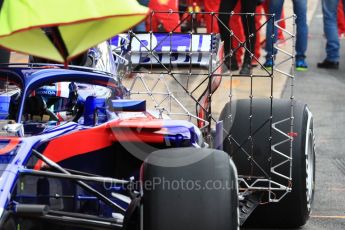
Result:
[[79, 152]]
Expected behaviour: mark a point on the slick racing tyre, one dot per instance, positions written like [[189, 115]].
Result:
[[196, 190], [294, 209], [7, 222]]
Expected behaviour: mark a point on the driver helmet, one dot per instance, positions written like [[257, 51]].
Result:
[[60, 99]]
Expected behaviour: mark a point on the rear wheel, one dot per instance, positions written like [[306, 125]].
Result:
[[199, 195], [294, 209]]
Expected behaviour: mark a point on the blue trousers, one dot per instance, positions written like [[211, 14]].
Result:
[[300, 9], [330, 27]]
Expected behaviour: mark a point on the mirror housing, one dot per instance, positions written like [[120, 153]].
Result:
[[15, 128]]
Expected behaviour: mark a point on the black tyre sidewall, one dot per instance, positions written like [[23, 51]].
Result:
[[292, 210], [193, 209]]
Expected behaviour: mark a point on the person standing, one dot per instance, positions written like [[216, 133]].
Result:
[[263, 8], [330, 27], [341, 20], [235, 24], [141, 27], [248, 22], [211, 21], [164, 22], [300, 9]]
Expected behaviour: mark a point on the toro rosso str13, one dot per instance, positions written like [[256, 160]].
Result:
[[78, 153]]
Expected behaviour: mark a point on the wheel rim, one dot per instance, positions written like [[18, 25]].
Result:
[[310, 168]]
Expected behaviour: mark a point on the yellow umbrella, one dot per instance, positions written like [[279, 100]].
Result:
[[62, 29]]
